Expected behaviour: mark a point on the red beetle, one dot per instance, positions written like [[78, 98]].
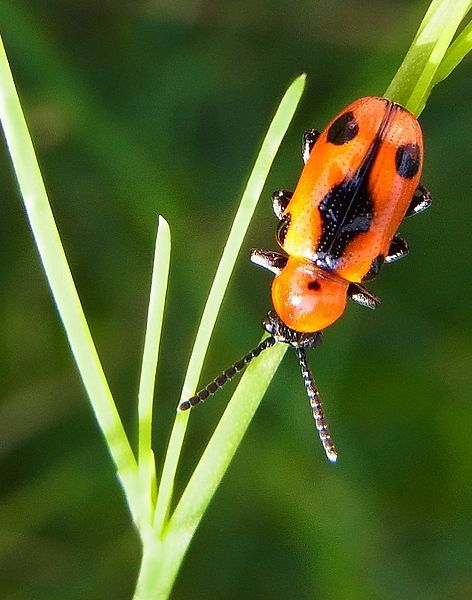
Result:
[[361, 178]]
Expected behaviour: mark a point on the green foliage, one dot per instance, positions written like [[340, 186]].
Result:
[[166, 532], [432, 55]]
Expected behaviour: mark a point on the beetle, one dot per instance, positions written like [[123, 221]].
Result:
[[361, 178]]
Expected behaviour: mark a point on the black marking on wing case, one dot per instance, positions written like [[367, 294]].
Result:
[[407, 160], [343, 130], [347, 209]]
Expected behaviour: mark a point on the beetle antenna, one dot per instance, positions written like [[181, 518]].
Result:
[[318, 413], [226, 376]]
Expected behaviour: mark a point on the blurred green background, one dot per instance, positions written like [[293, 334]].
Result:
[[147, 107]]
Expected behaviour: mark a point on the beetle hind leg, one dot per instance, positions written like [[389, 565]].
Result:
[[420, 202], [398, 249], [361, 295]]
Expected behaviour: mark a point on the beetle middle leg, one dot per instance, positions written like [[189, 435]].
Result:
[[273, 261], [361, 295], [280, 200]]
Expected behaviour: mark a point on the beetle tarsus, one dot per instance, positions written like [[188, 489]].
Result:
[[309, 138], [398, 249], [420, 202], [280, 200]]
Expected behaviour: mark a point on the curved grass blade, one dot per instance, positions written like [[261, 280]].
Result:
[[414, 79], [269, 148], [61, 282], [146, 462], [158, 573]]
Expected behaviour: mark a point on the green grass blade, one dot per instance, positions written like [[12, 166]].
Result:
[[60, 280], [146, 463], [269, 148], [455, 55], [157, 581], [414, 79]]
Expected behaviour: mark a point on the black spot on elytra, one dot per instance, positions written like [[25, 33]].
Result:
[[374, 268], [343, 130], [282, 228], [346, 211], [407, 160], [314, 285]]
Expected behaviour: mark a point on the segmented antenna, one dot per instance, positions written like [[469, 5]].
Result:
[[318, 414], [225, 376]]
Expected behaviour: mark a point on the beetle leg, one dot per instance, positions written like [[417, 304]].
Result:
[[309, 138], [358, 293], [398, 249], [420, 202], [280, 200], [374, 268], [273, 261]]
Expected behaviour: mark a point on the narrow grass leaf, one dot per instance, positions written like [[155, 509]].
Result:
[[414, 79], [146, 464], [60, 280], [269, 148], [458, 50], [157, 581]]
